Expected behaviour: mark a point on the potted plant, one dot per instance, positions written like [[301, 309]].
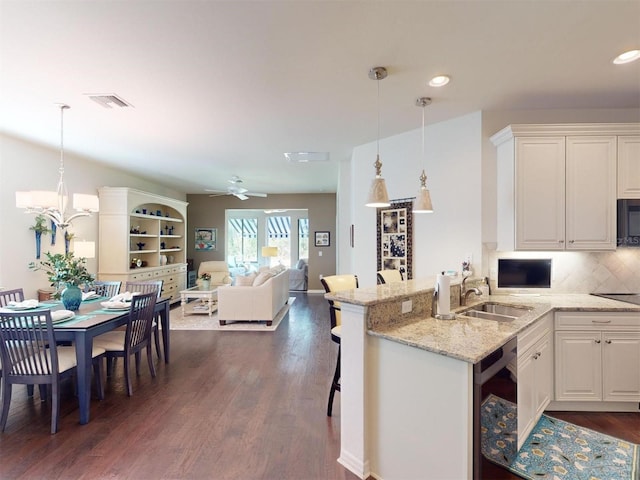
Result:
[[205, 281], [65, 273], [39, 228]]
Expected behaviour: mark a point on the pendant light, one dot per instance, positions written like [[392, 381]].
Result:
[[378, 196], [423, 199]]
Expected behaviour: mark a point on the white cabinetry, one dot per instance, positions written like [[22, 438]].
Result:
[[629, 166], [597, 356], [142, 237], [557, 186], [535, 374]]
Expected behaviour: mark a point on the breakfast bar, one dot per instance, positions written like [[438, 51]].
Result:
[[407, 386]]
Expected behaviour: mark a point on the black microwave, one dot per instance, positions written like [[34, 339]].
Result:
[[629, 222]]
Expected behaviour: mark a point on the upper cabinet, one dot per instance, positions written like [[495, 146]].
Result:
[[557, 186], [629, 166]]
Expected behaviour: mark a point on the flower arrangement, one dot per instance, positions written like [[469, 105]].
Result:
[[205, 276], [63, 270]]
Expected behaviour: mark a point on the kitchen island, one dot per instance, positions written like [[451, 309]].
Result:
[[407, 378]]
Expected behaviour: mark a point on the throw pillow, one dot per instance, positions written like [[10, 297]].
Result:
[[261, 278], [245, 280]]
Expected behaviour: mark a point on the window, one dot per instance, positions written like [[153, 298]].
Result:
[[242, 241], [250, 230]]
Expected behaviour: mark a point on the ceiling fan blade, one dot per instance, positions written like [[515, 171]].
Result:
[[255, 194], [241, 196]]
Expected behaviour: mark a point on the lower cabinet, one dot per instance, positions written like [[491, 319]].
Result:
[[535, 374], [597, 357], [174, 278]]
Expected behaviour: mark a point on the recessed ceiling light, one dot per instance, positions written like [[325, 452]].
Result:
[[439, 81], [305, 157], [627, 57]]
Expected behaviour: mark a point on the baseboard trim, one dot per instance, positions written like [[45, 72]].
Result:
[[568, 406]]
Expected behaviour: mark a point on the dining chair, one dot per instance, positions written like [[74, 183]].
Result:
[[146, 287], [135, 338], [335, 283], [388, 276], [15, 295], [30, 356], [106, 289]]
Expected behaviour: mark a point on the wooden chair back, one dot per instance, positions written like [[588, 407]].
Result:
[[15, 295], [144, 287], [107, 289]]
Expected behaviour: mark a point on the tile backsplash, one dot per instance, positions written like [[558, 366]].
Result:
[[577, 272]]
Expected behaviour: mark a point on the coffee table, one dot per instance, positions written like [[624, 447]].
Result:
[[208, 300]]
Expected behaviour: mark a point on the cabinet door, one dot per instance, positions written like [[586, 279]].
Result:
[[578, 360], [591, 193], [535, 374], [543, 375], [629, 167], [539, 192], [621, 366], [526, 394]]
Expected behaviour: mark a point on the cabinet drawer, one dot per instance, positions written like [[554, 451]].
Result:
[[597, 321], [141, 276], [534, 333]]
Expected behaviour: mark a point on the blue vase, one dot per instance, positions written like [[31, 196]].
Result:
[[72, 297]]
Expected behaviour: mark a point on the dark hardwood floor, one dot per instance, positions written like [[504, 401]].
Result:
[[231, 405]]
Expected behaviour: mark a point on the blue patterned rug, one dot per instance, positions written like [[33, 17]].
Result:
[[555, 449]]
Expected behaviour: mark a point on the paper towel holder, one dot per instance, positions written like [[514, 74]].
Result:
[[439, 316]]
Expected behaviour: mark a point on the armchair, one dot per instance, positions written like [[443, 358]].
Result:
[[299, 276], [218, 270]]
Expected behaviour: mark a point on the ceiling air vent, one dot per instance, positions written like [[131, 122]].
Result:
[[108, 100], [306, 157]]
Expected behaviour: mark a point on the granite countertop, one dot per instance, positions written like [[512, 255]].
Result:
[[466, 338]]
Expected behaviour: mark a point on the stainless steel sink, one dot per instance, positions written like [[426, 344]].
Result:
[[496, 311], [488, 316], [500, 309]]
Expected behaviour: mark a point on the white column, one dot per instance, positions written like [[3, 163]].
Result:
[[354, 453]]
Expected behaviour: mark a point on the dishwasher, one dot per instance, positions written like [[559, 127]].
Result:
[[483, 371]]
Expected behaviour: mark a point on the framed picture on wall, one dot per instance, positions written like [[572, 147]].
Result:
[[395, 238], [206, 238], [323, 239]]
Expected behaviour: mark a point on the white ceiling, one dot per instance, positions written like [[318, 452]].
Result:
[[224, 88]]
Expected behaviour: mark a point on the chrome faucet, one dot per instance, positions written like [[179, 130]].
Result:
[[463, 300], [464, 293]]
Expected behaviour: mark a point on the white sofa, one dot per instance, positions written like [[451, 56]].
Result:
[[260, 303]]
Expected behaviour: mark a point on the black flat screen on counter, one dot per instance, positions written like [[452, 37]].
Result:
[[524, 273]]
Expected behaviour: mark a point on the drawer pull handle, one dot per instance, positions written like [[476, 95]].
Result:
[[600, 321], [597, 341], [608, 341]]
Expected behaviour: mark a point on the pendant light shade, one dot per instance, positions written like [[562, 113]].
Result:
[[378, 196], [423, 199]]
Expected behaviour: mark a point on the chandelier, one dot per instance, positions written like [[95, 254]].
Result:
[[52, 204]]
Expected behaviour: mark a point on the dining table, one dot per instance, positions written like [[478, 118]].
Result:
[[91, 320]]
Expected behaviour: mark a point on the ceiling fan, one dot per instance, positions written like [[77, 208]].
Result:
[[236, 190]]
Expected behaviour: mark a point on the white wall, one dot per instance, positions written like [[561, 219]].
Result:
[[461, 170], [27, 166], [453, 166]]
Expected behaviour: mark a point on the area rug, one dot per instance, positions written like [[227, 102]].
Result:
[[205, 322], [555, 449]]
